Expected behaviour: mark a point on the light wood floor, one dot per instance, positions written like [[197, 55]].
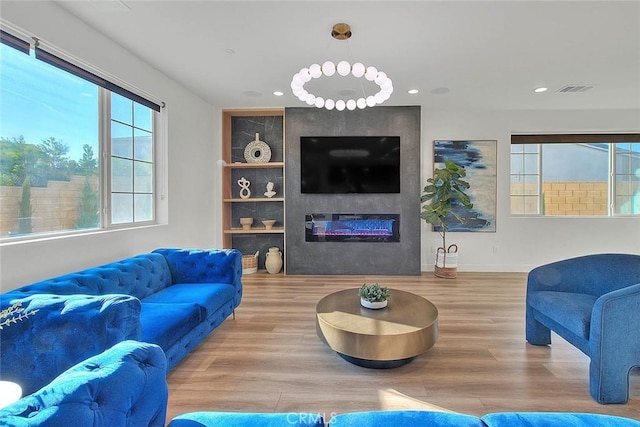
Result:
[[269, 359]]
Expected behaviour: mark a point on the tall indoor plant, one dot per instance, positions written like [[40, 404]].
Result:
[[441, 193]]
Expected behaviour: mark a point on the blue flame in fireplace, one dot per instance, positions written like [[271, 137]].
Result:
[[345, 227]]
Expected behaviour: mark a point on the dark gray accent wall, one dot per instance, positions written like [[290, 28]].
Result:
[[355, 258]]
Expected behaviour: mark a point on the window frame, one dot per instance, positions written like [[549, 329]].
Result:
[[110, 85], [611, 139]]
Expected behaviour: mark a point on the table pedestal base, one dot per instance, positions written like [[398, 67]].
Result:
[[376, 364]]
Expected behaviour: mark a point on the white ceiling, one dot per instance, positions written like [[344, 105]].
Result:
[[459, 54]]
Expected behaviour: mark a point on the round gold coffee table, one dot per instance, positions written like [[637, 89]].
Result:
[[384, 338]]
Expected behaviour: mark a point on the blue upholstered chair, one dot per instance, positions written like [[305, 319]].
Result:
[[123, 386], [593, 302]]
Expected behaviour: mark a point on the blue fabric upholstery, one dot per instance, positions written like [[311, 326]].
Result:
[[593, 302], [209, 296], [242, 419], [401, 418], [404, 419], [123, 386], [556, 419], [165, 324], [65, 330], [205, 266], [138, 276], [134, 298]]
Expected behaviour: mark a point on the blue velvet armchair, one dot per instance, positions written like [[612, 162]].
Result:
[[593, 302]]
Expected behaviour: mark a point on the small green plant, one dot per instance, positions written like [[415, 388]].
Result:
[[374, 292], [14, 314]]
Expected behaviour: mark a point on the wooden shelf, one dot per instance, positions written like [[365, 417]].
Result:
[[275, 230], [254, 199], [269, 123], [240, 165]]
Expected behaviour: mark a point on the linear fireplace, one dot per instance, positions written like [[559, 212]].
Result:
[[331, 227]]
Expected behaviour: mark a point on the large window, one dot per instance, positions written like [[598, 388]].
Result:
[[76, 151], [575, 175]]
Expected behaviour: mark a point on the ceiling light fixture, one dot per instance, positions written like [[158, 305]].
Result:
[[341, 31], [540, 89], [278, 93], [413, 91]]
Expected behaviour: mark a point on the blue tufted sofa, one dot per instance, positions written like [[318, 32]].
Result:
[[593, 302], [123, 386], [171, 297], [401, 418], [497, 419]]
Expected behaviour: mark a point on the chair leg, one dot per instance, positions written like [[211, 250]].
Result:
[[609, 384], [536, 332]]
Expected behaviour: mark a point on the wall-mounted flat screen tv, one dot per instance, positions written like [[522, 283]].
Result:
[[349, 164]]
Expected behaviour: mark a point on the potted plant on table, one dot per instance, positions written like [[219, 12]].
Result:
[[445, 189], [374, 296]]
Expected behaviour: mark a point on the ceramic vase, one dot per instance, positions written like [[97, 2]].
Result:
[[273, 261]]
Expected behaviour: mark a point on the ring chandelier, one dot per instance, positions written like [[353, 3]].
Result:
[[343, 68]]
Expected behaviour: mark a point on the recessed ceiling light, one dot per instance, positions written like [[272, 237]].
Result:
[[278, 93], [540, 89], [413, 91]]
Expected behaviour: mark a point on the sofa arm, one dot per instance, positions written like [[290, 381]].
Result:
[[205, 266], [64, 330], [614, 344], [123, 386]]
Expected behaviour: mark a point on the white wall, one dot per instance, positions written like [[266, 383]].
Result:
[[522, 243], [190, 214]]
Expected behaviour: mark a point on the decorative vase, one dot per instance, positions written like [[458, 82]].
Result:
[[246, 223], [273, 261], [375, 305], [268, 224]]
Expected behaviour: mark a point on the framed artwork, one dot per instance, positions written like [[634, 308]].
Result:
[[479, 158]]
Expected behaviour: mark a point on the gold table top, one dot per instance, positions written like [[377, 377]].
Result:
[[406, 328]]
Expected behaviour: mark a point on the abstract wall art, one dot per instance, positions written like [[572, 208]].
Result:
[[478, 157]]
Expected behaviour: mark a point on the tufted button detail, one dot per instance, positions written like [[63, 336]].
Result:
[[94, 406]]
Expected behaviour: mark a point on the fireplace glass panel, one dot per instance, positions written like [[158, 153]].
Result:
[[331, 227]]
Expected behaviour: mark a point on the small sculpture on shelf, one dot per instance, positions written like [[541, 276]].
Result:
[[268, 223], [257, 151], [244, 184], [270, 192]]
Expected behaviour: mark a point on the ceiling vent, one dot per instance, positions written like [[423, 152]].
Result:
[[574, 88]]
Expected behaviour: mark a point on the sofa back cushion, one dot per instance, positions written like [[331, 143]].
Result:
[[203, 266], [405, 418], [595, 274], [556, 419], [138, 276]]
